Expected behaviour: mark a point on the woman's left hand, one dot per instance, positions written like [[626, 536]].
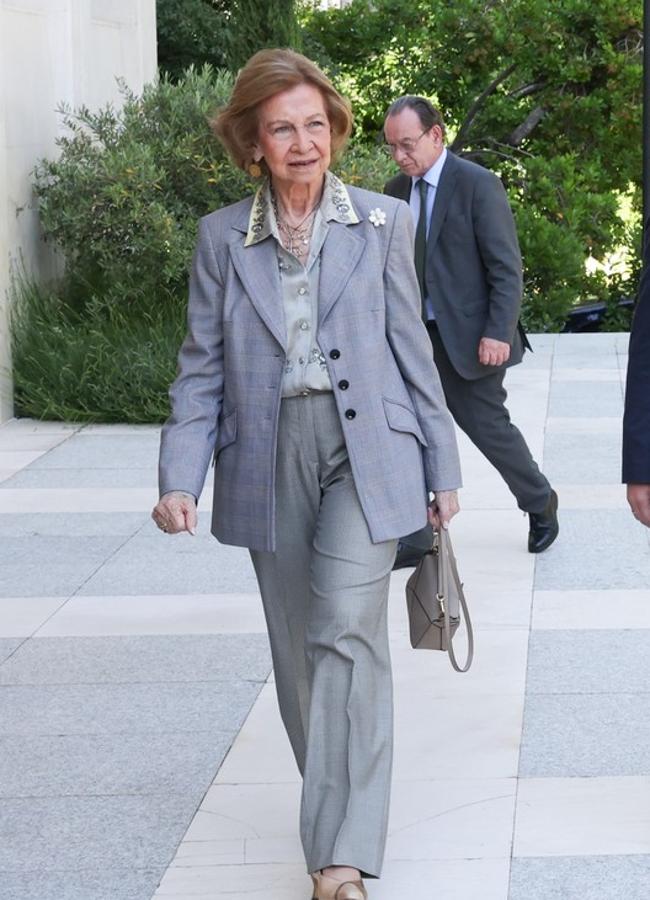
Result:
[[443, 508]]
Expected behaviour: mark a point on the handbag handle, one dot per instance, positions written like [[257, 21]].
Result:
[[447, 564]]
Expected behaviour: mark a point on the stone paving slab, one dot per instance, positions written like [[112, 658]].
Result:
[[597, 551], [594, 425], [579, 459], [40, 565], [15, 439], [62, 500], [81, 524], [8, 646], [174, 614], [139, 659], [22, 426], [75, 478], [585, 735], [586, 373], [568, 359], [581, 878], [104, 884], [105, 451], [20, 617], [102, 832], [582, 816], [174, 565], [125, 708], [90, 764], [598, 661], [583, 398], [591, 609], [16, 459]]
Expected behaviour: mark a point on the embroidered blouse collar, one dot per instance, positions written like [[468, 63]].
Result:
[[335, 206]]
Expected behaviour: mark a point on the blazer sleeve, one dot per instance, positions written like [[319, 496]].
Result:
[[411, 348], [636, 419], [188, 436], [496, 236]]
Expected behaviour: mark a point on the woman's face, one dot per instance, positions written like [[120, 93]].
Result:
[[294, 136]]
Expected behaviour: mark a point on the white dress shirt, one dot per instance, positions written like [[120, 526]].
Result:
[[432, 177]]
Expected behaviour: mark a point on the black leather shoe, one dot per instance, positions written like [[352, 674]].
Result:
[[544, 526]]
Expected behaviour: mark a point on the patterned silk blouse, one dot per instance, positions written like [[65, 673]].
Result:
[[305, 368]]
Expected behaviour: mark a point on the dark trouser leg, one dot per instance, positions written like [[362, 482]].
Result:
[[478, 406]]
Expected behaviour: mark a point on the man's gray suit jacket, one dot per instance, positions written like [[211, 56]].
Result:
[[226, 398], [473, 264]]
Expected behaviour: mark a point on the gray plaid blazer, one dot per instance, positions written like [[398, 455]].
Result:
[[226, 397]]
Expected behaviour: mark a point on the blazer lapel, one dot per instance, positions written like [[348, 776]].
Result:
[[341, 252], [446, 187], [257, 267]]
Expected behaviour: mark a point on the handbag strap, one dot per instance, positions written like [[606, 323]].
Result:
[[447, 565]]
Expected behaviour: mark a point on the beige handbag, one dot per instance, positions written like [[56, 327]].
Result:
[[434, 599]]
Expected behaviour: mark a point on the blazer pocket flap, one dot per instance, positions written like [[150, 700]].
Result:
[[401, 418], [227, 431]]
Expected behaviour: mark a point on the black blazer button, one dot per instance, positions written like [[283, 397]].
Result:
[[335, 354], [350, 413], [344, 384]]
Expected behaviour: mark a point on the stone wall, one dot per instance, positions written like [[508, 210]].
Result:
[[54, 51]]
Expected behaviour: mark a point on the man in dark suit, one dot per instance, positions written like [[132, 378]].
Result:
[[469, 268], [636, 421]]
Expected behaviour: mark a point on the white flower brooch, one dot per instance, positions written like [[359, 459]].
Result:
[[377, 217]]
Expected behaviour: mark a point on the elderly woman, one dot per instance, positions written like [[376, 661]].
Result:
[[307, 375]]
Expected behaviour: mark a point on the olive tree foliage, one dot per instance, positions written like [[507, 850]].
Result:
[[548, 95], [192, 33], [256, 25], [221, 33]]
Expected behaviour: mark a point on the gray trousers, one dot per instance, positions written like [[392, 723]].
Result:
[[479, 408], [325, 592]]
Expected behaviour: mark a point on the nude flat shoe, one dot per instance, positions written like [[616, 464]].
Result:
[[330, 889]]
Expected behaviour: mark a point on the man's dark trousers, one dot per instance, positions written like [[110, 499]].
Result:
[[478, 406]]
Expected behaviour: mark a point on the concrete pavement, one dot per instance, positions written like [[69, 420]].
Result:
[[141, 752]]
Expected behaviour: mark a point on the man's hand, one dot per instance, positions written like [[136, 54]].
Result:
[[638, 496], [175, 512], [493, 353], [443, 507]]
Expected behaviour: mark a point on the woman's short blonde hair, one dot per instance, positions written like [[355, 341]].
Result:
[[266, 73]]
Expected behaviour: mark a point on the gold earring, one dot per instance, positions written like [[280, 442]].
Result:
[[254, 170]]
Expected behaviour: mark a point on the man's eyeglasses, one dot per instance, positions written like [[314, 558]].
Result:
[[408, 145]]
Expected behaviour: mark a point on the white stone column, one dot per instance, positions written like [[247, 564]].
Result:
[[54, 51]]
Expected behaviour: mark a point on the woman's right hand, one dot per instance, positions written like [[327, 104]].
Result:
[[443, 508], [175, 512]]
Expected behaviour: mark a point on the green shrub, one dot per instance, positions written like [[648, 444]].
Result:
[[365, 166], [101, 365], [122, 200]]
